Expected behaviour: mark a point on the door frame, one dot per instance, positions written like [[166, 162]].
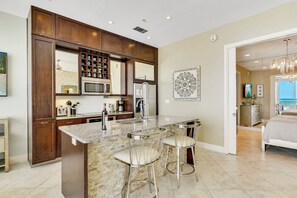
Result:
[[230, 85]]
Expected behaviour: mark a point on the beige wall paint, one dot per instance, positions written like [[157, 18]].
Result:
[[198, 50], [245, 77], [263, 77], [13, 40]]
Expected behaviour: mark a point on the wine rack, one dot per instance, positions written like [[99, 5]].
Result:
[[94, 65]]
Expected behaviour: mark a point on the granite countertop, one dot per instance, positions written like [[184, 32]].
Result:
[[93, 114], [92, 132]]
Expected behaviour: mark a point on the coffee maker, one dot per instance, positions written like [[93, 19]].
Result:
[[120, 105]]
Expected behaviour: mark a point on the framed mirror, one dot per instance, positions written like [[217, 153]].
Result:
[[144, 71], [67, 75], [118, 77], [3, 74]]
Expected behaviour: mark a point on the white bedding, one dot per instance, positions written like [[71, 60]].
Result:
[[283, 127]]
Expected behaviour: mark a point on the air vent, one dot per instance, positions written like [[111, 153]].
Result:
[[139, 29]]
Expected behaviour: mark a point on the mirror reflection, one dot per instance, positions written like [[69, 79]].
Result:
[[67, 77], [144, 71]]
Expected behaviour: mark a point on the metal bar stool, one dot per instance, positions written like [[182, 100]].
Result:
[[144, 150], [181, 141]]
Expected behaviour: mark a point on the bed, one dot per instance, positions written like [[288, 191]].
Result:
[[280, 131]]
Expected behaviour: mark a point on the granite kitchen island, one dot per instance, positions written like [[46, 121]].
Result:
[[88, 166]]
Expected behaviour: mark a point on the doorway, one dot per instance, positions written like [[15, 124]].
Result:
[[230, 104]]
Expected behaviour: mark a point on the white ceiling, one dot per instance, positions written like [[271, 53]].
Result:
[[189, 17], [264, 51]]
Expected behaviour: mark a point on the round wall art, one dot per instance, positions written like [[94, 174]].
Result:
[[186, 84]]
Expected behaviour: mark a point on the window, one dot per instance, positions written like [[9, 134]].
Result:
[[287, 94]]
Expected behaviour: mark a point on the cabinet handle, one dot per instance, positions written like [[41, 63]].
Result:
[[43, 122], [69, 122]]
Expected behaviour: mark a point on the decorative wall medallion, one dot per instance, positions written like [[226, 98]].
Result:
[[187, 84]]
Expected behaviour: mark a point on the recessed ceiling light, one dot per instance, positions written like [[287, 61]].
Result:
[[110, 22], [256, 61], [168, 17], [148, 37], [247, 55]]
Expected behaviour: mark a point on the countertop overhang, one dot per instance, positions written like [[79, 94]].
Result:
[[92, 132]]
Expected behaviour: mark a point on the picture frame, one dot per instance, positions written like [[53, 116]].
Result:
[[260, 91], [3, 74], [187, 84]]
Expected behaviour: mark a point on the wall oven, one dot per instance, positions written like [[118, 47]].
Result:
[[95, 86]]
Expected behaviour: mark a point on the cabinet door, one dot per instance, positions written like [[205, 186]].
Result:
[[43, 23], [74, 32], [64, 123], [44, 141], [125, 116], [43, 78], [111, 43], [145, 52], [128, 47]]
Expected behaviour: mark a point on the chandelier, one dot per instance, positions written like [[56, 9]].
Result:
[[286, 65]]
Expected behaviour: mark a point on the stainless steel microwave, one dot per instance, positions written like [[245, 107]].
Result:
[[95, 86]]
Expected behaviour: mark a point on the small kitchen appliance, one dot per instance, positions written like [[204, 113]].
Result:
[[61, 111], [120, 105]]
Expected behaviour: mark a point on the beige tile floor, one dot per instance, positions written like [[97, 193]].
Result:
[[252, 173]]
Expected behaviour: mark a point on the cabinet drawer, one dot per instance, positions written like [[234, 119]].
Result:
[[125, 116], [69, 122], [1, 144]]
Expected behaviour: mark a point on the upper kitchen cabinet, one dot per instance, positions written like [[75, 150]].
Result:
[[144, 71], [43, 23], [118, 77], [43, 50], [74, 32], [67, 74], [116, 44], [145, 52]]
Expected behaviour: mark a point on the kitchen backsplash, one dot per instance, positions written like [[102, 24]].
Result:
[[87, 104]]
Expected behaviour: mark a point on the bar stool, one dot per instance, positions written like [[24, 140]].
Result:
[[144, 150], [181, 141]]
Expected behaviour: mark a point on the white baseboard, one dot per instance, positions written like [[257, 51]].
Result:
[[18, 159], [212, 147]]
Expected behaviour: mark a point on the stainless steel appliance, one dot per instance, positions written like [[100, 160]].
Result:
[[138, 98], [95, 86], [120, 105], [99, 119], [61, 111]]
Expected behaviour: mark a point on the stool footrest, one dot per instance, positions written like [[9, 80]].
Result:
[[182, 163]]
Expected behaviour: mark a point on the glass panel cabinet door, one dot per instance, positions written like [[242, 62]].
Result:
[[144, 71], [67, 76]]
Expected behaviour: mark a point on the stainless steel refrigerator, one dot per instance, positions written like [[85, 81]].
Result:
[[138, 95]]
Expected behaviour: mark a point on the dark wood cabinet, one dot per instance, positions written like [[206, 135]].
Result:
[[43, 23], [44, 141], [94, 64], [128, 47], [58, 132], [145, 52], [116, 44], [71, 31], [43, 88], [125, 116], [111, 43]]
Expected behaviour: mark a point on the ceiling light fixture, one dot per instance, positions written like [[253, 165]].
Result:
[[286, 65], [247, 55], [168, 17], [110, 22], [148, 37], [256, 61]]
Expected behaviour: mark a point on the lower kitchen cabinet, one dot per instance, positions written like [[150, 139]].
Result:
[[125, 116], [64, 123], [44, 141]]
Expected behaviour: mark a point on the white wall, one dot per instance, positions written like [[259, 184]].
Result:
[[87, 104], [13, 40], [198, 50]]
